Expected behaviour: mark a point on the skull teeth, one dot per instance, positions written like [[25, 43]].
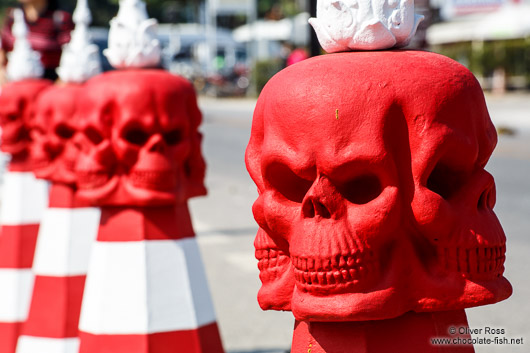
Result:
[[270, 259], [154, 180], [337, 270], [474, 262], [91, 180]]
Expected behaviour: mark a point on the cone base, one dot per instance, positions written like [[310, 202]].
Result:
[[27, 344], [9, 333], [55, 307], [205, 339], [409, 333]]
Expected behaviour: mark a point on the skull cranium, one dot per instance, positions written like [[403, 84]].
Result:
[[16, 110], [371, 178], [140, 143]]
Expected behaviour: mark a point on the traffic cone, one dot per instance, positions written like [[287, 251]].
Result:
[[435, 332], [23, 202], [68, 230], [146, 289]]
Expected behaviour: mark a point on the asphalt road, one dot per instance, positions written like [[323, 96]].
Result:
[[225, 228]]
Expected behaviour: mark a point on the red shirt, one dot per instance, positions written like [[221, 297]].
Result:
[[46, 35]]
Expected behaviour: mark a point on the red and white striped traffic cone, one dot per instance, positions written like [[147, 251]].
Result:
[[146, 289], [67, 232], [23, 202]]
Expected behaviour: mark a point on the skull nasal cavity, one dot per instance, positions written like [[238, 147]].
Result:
[[156, 144], [313, 206], [93, 135]]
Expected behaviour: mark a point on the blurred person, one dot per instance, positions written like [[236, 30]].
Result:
[[297, 55], [285, 50], [48, 29]]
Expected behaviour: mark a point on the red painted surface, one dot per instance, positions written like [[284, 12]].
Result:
[[140, 161], [55, 307], [140, 144], [16, 109], [145, 223], [17, 242], [411, 332], [63, 196], [9, 332], [373, 198], [56, 300], [17, 245], [205, 339]]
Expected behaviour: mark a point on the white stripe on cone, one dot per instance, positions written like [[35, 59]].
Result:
[[143, 287], [24, 198], [15, 294], [65, 238], [47, 345]]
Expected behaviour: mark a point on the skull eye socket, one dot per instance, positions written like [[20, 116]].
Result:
[[93, 135], [173, 137], [287, 183], [64, 131], [444, 181], [361, 189], [136, 136]]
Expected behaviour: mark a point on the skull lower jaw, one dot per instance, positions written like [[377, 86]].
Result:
[[454, 291], [55, 171], [378, 292], [277, 282], [119, 190], [377, 304], [163, 180], [476, 263], [15, 148], [404, 284], [461, 278]]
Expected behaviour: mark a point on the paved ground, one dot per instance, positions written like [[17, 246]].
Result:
[[225, 228]]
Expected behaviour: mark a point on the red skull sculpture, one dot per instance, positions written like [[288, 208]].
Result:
[[16, 110], [53, 130], [140, 144], [370, 172]]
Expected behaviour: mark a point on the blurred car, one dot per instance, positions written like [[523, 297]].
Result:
[[186, 52]]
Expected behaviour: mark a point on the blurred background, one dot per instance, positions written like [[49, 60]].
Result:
[[232, 47]]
